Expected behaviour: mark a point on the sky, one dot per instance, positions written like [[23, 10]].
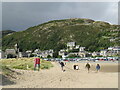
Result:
[[22, 15]]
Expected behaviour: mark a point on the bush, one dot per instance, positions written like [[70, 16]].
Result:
[[59, 56], [48, 56], [32, 55]]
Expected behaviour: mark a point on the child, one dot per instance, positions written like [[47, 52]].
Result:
[[98, 67]]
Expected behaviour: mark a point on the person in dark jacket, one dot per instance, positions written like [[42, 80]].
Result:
[[88, 67], [62, 65]]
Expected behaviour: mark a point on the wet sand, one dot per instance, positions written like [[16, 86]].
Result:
[[106, 67]]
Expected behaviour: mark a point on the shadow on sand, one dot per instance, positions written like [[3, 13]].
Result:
[[5, 80]]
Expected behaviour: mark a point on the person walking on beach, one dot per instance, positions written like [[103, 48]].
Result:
[[62, 65], [98, 67], [87, 66], [37, 63]]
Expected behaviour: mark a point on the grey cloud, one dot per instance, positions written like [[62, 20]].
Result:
[[20, 16]]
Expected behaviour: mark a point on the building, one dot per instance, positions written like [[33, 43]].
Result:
[[111, 51], [95, 54], [81, 49], [71, 45], [62, 53], [44, 53], [29, 51], [23, 54], [82, 53], [103, 52], [37, 50], [77, 46], [10, 52]]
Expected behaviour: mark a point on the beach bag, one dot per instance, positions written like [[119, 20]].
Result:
[[77, 67]]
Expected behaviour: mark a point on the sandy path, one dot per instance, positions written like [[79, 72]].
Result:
[[55, 78]]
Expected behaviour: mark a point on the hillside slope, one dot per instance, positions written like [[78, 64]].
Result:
[[6, 32], [94, 35]]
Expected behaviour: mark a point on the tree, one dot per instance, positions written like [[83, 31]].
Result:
[[48, 56], [55, 54], [59, 56], [32, 55]]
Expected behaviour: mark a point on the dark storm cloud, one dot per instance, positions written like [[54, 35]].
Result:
[[20, 16]]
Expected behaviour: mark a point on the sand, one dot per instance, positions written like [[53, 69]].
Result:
[[55, 78]]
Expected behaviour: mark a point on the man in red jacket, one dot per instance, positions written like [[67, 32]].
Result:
[[36, 63]]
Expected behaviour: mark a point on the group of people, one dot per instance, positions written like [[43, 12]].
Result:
[[88, 67], [62, 64], [76, 67]]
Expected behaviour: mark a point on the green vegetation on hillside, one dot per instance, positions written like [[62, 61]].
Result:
[[6, 32], [94, 35]]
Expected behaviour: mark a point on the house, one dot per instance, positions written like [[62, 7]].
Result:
[[77, 46], [95, 54], [71, 45], [81, 49], [28, 51], [44, 53], [62, 53], [113, 51], [36, 50], [10, 51], [82, 53], [103, 52], [23, 54]]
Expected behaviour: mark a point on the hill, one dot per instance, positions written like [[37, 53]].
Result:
[[5, 32], [94, 35]]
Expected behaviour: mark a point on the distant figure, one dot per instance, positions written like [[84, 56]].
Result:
[[62, 65], [98, 67], [76, 67], [88, 66], [36, 63]]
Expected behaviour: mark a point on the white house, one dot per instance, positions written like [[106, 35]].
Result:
[[81, 49], [71, 45], [95, 54], [77, 46], [82, 53], [62, 53], [28, 51], [103, 52], [44, 53], [10, 51]]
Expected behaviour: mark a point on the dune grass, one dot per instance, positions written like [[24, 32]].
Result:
[[23, 63]]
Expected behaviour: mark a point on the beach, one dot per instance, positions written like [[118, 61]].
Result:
[[54, 77]]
